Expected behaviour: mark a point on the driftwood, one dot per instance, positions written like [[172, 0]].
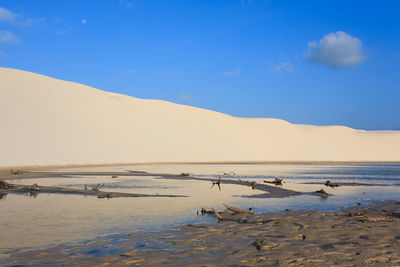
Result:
[[216, 214], [217, 183], [4, 185], [236, 210], [277, 181], [322, 193], [253, 184], [228, 173], [185, 174], [14, 172], [35, 189], [328, 183], [97, 187]]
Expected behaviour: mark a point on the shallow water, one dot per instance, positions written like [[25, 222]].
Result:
[[50, 219]]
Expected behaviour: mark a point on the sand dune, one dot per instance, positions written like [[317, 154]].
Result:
[[45, 121]]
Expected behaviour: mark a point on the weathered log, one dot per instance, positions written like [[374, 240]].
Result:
[[328, 183], [236, 210], [277, 181], [216, 214]]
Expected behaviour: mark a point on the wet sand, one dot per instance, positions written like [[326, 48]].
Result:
[[355, 237], [271, 190]]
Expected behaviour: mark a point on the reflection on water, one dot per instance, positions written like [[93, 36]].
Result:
[[49, 219]]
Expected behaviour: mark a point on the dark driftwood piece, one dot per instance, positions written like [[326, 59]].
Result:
[[4, 185], [15, 172], [322, 193], [97, 187], [328, 183], [217, 183], [277, 181], [6, 188]]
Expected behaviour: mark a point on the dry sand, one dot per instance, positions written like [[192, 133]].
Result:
[[47, 122], [356, 237]]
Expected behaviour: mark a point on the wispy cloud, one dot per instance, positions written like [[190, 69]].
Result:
[[336, 50], [7, 37], [176, 72], [18, 20], [185, 98], [396, 54], [279, 67], [84, 21], [246, 2], [7, 15], [232, 73], [126, 3], [129, 71]]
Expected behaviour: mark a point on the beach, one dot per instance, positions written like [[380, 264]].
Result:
[[165, 216], [358, 236]]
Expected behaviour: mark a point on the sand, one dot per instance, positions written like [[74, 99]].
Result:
[[359, 236], [49, 122]]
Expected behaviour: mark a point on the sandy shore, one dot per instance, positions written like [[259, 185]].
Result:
[[355, 237]]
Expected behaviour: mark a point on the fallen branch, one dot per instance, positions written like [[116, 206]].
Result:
[[236, 210], [328, 183], [275, 182], [216, 214], [97, 187], [217, 183]]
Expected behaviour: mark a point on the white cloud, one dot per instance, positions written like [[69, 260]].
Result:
[[185, 98], [84, 21], [336, 50], [282, 67], [7, 15], [176, 72], [232, 73], [18, 20], [7, 37]]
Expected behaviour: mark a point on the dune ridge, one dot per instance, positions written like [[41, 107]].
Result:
[[46, 122]]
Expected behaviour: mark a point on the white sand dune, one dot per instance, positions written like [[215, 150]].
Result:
[[45, 121]]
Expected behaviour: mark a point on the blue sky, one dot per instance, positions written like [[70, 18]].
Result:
[[313, 62]]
